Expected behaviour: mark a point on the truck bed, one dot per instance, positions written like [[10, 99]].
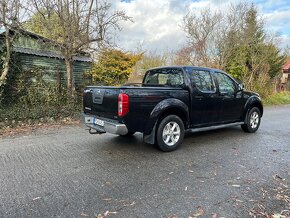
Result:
[[102, 101]]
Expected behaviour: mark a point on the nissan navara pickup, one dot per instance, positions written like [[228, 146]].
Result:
[[169, 101]]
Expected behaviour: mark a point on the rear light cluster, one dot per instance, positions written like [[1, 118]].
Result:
[[123, 104]]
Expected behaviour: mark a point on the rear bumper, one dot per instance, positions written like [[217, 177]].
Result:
[[104, 125]]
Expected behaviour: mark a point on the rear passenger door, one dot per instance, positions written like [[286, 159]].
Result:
[[205, 106]]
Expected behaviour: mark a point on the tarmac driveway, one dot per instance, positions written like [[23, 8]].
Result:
[[66, 172]]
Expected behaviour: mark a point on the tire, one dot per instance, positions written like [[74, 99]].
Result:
[[170, 133], [253, 120], [128, 134]]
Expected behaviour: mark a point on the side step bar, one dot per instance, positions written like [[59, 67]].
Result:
[[214, 127]]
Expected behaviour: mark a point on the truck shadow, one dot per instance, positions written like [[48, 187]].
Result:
[[130, 142], [206, 138]]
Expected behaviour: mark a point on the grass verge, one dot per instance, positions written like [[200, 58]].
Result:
[[277, 98]]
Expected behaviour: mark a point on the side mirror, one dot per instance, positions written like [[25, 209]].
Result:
[[241, 87]]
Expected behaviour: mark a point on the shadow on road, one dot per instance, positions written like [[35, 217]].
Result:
[[135, 143]]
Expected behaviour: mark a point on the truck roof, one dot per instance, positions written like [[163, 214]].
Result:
[[187, 66]]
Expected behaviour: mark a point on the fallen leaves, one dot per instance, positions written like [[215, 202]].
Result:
[[117, 209], [30, 128], [34, 199], [258, 211], [277, 177], [281, 193], [199, 212], [107, 213]]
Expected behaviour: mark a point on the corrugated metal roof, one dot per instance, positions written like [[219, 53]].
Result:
[[49, 54]]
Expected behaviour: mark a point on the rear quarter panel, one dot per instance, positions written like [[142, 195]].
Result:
[[144, 100]]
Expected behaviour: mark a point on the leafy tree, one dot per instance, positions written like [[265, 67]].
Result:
[[38, 22], [113, 67], [236, 42], [253, 59]]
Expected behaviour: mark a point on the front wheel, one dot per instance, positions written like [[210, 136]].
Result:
[[253, 120], [170, 133]]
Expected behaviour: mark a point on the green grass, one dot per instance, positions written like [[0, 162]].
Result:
[[278, 98]]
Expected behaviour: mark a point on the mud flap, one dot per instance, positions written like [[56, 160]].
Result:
[[150, 139]]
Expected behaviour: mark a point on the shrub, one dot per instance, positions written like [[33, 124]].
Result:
[[31, 98]]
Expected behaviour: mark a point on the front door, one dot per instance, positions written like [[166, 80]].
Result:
[[231, 98]]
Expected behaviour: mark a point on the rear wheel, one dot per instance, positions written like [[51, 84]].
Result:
[[170, 133], [253, 120]]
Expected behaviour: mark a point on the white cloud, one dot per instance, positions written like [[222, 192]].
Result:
[[157, 24], [278, 21], [285, 42]]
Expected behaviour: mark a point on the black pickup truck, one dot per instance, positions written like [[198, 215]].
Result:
[[169, 101]]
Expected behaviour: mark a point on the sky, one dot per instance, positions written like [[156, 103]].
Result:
[[157, 24]]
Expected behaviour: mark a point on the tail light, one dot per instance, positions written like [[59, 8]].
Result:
[[123, 104]]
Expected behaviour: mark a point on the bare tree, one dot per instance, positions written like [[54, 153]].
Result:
[[212, 34], [78, 26], [201, 29], [10, 18]]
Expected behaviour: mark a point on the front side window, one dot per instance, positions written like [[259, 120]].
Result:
[[202, 80], [166, 77], [226, 84]]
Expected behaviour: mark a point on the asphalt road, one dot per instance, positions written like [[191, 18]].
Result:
[[66, 172]]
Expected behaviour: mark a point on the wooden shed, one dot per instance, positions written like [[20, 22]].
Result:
[[36, 52]]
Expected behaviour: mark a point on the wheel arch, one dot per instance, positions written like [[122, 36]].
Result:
[[161, 110], [254, 101]]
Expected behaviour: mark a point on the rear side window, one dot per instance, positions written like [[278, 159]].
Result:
[[203, 80], [166, 77]]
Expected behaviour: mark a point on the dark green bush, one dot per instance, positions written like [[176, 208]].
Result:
[[31, 98]]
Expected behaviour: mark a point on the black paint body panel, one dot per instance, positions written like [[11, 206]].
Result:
[[148, 104]]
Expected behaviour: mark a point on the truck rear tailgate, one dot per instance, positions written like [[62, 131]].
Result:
[[101, 101]]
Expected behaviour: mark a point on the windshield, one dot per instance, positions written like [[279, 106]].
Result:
[[166, 77]]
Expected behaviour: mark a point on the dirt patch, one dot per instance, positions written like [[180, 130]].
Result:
[[27, 129]]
